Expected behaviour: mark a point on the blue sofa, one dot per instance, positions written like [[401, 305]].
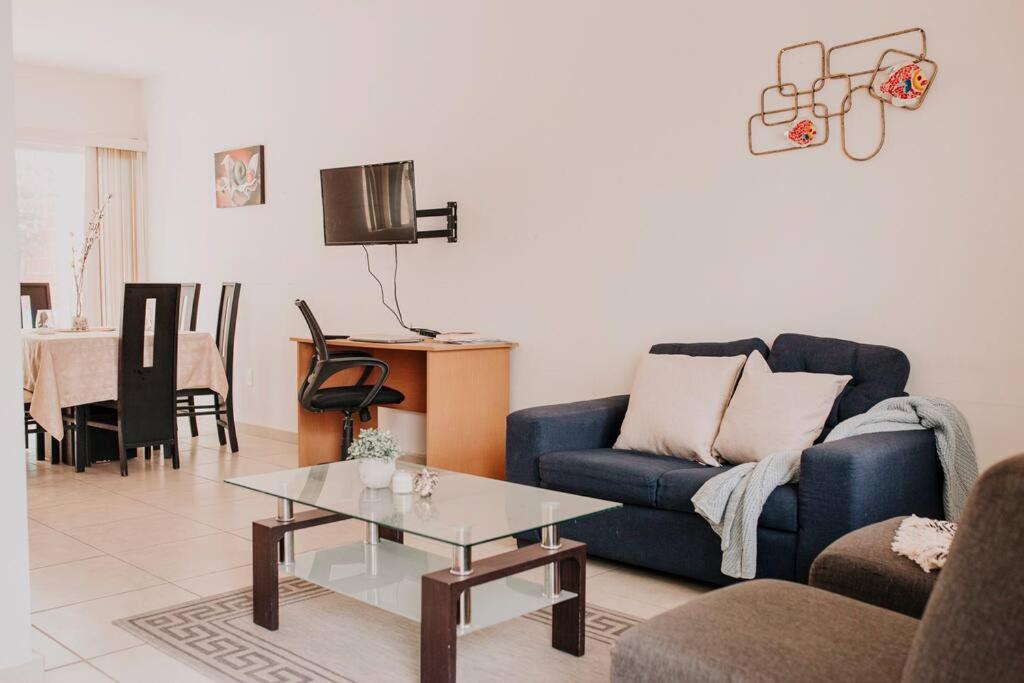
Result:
[[844, 484]]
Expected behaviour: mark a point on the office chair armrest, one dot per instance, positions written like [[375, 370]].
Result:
[[348, 354], [324, 370], [354, 353]]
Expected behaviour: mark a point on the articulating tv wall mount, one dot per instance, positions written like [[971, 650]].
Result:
[[451, 232]]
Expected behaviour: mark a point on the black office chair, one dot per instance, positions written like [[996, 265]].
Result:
[[349, 400], [144, 413], [222, 410]]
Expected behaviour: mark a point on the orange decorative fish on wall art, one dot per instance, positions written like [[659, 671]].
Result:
[[239, 174], [905, 85], [802, 133]]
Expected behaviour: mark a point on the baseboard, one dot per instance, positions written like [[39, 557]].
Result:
[[267, 432]]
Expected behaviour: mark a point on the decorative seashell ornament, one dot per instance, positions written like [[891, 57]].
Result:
[[424, 483]]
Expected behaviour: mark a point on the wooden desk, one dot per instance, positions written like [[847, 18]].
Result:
[[463, 389]]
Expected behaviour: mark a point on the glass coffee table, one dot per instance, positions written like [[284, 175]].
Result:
[[448, 596]]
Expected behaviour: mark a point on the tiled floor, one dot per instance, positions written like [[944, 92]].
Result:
[[103, 547]]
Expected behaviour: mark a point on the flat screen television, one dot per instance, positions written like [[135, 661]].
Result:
[[372, 204]]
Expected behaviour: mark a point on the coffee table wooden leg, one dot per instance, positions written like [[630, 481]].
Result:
[[265, 596], [392, 535], [437, 631], [568, 631]]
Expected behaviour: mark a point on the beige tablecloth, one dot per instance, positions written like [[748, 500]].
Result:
[[67, 369]]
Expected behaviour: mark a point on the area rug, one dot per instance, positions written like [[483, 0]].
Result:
[[324, 636]]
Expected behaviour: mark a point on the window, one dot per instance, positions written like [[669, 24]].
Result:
[[51, 218]]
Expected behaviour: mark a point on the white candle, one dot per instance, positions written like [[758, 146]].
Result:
[[401, 482]]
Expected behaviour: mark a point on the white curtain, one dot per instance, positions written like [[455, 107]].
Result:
[[122, 246]]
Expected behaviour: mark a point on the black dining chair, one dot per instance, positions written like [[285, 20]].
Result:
[[144, 413], [187, 320], [349, 400], [32, 428], [38, 294], [189, 306], [223, 410]]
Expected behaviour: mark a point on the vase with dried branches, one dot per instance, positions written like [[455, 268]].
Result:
[[79, 257]]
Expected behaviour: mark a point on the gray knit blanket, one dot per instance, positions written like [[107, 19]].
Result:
[[731, 502]]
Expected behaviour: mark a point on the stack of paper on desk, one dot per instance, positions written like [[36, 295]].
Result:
[[467, 338]]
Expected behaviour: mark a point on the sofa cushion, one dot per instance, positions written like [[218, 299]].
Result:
[[775, 412], [621, 476], [676, 404], [740, 347], [879, 372], [677, 487]]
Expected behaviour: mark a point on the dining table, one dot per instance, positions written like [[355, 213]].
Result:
[[65, 369]]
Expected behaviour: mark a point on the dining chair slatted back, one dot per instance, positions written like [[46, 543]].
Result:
[[189, 315], [227, 317], [147, 377], [38, 294]]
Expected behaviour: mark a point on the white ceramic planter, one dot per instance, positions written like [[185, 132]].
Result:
[[376, 474]]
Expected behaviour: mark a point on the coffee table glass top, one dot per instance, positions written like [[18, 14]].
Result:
[[464, 509]]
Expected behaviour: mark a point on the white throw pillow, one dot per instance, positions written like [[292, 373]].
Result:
[[773, 412], [676, 405]]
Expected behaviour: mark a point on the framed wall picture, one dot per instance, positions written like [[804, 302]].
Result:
[[239, 177]]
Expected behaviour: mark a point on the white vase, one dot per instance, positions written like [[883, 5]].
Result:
[[376, 474], [79, 323]]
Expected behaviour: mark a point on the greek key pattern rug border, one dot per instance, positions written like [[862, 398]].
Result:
[[201, 634]]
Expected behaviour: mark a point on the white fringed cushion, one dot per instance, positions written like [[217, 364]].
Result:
[[925, 541], [676, 405], [775, 412]]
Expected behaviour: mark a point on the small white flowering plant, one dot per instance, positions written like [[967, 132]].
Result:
[[375, 444]]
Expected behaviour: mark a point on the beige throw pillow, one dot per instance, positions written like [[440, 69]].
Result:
[[676, 405], [772, 412]]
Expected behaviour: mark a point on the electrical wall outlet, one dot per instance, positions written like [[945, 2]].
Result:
[[249, 377]]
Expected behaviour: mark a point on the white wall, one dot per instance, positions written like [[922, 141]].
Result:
[[606, 196], [68, 107], [15, 643]]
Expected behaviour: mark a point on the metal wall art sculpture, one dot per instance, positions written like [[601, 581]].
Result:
[[896, 79]]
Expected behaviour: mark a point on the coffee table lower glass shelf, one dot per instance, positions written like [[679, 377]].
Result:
[[389, 575]]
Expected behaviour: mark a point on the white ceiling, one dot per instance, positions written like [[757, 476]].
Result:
[[140, 38]]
